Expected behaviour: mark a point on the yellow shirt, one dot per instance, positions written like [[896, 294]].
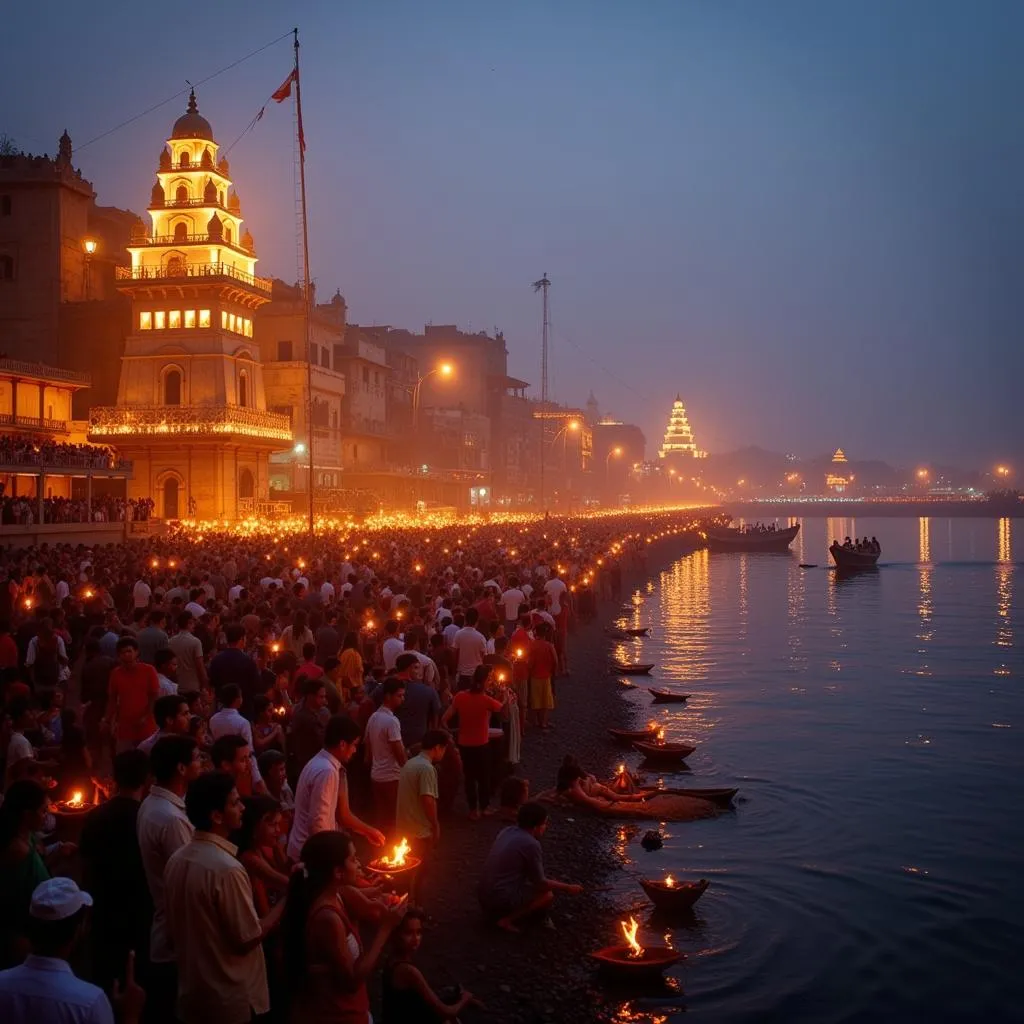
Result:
[[351, 666], [211, 914]]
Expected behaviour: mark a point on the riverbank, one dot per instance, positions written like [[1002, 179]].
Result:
[[543, 975]]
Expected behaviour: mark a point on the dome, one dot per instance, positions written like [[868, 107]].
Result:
[[234, 203], [191, 124], [214, 227], [165, 159], [247, 241]]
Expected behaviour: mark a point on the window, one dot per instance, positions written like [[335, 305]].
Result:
[[227, 233], [172, 387], [284, 351], [243, 388], [248, 328], [174, 319], [366, 376], [181, 194], [325, 357], [231, 321], [184, 160], [180, 231], [223, 319], [5, 206], [145, 321], [204, 318], [6, 268], [160, 319], [190, 319]]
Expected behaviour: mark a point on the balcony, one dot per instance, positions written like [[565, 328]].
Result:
[[180, 272], [108, 422], [40, 371], [33, 423], [96, 461], [164, 240], [351, 423], [182, 204]]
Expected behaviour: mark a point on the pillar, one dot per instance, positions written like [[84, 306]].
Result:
[[14, 401], [42, 491], [42, 403]]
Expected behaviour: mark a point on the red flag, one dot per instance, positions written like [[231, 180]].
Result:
[[285, 89]]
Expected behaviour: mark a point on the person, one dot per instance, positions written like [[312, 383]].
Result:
[[384, 751], [321, 796], [233, 665], [232, 755], [114, 873], [327, 640], [22, 758], [162, 827], [172, 719], [513, 885], [260, 851], [542, 665], [511, 601], [188, 649], [351, 667], [267, 732], [327, 963], [275, 778], [297, 635], [44, 988], [211, 916], [416, 813], [470, 646], [309, 669], [393, 645], [576, 785], [230, 722], [306, 735], [134, 689], [514, 792], [46, 657], [474, 708], [166, 665], [421, 709], [406, 994], [152, 638]]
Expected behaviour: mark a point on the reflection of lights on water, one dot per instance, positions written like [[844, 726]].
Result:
[[924, 539]]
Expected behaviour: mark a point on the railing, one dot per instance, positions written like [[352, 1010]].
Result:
[[18, 366], [184, 203], [177, 271], [66, 460], [262, 508], [34, 423], [206, 239], [113, 421]]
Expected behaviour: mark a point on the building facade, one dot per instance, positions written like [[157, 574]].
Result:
[[191, 407]]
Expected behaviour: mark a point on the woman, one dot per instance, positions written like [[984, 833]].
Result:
[[474, 709], [327, 964], [542, 665], [407, 995], [297, 635], [576, 785], [351, 670], [259, 850]]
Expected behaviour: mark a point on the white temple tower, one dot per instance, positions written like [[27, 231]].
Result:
[[679, 441]]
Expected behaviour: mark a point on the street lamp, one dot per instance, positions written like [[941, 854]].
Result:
[[1003, 471], [89, 247], [614, 451], [443, 370]]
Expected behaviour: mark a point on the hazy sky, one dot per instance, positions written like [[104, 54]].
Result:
[[804, 215]]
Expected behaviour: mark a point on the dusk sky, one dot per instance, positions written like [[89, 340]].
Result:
[[804, 215]]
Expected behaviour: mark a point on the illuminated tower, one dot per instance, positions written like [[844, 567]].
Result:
[[191, 410], [679, 441], [838, 478]]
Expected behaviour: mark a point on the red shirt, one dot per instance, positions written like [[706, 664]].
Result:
[[474, 711], [8, 652], [543, 659], [521, 641], [135, 689]]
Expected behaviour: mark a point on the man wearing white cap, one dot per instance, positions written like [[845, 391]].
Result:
[[43, 988]]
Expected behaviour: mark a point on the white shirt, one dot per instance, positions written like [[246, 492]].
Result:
[[449, 633], [162, 827], [167, 686], [195, 609], [511, 600], [555, 589], [231, 722], [235, 592], [147, 745], [316, 800], [471, 647], [141, 594], [327, 590], [428, 670], [391, 649], [33, 650], [19, 749], [45, 990], [381, 729], [62, 590]]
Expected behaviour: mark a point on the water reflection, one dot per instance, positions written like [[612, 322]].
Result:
[[685, 606], [1004, 589]]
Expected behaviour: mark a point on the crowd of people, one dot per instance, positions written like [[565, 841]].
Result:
[[27, 450], [861, 545], [246, 718], [102, 509]]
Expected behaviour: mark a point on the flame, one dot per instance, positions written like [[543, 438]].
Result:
[[397, 858], [369, 623], [155, 562], [275, 648], [281, 711], [652, 725], [669, 882], [87, 593], [28, 602], [621, 770], [519, 652], [635, 949], [76, 799], [661, 735]]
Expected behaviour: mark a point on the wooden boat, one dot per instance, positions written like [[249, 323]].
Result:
[[633, 668], [722, 797], [626, 634], [664, 751], [851, 558], [724, 538], [630, 736], [667, 696], [673, 898]]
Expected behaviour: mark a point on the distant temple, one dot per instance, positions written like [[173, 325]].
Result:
[[679, 441], [839, 477]]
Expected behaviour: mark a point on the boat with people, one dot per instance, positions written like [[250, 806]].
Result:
[[853, 555], [751, 538]]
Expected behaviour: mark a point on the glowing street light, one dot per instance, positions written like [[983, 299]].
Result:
[[300, 448], [446, 370], [922, 474], [1003, 471], [89, 247], [617, 451]]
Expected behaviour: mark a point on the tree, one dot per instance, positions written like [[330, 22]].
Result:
[[8, 147]]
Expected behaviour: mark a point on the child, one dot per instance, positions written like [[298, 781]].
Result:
[[267, 733]]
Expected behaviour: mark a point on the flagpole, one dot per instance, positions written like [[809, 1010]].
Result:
[[307, 291]]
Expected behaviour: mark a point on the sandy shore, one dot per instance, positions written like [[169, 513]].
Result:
[[542, 975]]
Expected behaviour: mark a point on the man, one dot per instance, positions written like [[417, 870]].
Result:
[[328, 641], [111, 634], [306, 736], [115, 875], [233, 756], [309, 669], [511, 600], [22, 757], [416, 813], [421, 708], [233, 665], [166, 671], [392, 646], [321, 797], [513, 885], [134, 689], [172, 719], [229, 722], [162, 828], [152, 637], [222, 976], [44, 989], [273, 769], [385, 753], [189, 652], [141, 593], [558, 604], [471, 646]]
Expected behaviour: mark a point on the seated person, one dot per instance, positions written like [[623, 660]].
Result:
[[576, 785]]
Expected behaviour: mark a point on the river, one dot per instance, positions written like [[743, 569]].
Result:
[[872, 867]]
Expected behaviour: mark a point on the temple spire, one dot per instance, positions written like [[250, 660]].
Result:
[[679, 435]]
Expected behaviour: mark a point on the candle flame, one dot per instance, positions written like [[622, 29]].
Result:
[[661, 735], [635, 949], [621, 769], [519, 652], [397, 858], [275, 648], [28, 602], [669, 882], [76, 799]]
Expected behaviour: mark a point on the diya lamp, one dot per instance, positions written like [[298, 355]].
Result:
[[399, 861], [671, 896], [75, 804], [631, 960], [27, 603]]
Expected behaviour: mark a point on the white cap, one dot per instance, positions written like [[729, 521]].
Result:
[[57, 899]]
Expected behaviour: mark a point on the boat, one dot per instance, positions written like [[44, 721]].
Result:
[[629, 736], [632, 668], [626, 634], [670, 896], [723, 796], [851, 558], [664, 751], [724, 538], [667, 696]]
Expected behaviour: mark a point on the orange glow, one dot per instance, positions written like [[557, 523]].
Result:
[[397, 858], [76, 799], [669, 882], [635, 949], [27, 602], [661, 735]]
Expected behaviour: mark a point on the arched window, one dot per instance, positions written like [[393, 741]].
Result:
[[171, 498], [243, 388], [181, 194], [180, 231], [176, 265], [227, 233], [172, 387], [184, 160], [246, 484]]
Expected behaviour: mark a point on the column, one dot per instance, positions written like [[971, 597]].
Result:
[[42, 491], [42, 403], [14, 402]]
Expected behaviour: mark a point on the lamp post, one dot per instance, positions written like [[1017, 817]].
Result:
[[1002, 472], [445, 370], [614, 451], [89, 247], [571, 427]]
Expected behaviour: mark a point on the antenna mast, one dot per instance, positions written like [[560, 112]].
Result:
[[542, 286]]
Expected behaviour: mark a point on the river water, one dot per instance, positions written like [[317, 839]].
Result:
[[873, 866]]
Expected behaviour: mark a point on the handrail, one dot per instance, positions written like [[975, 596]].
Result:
[[110, 421], [206, 239], [83, 460], [42, 370], [178, 271]]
